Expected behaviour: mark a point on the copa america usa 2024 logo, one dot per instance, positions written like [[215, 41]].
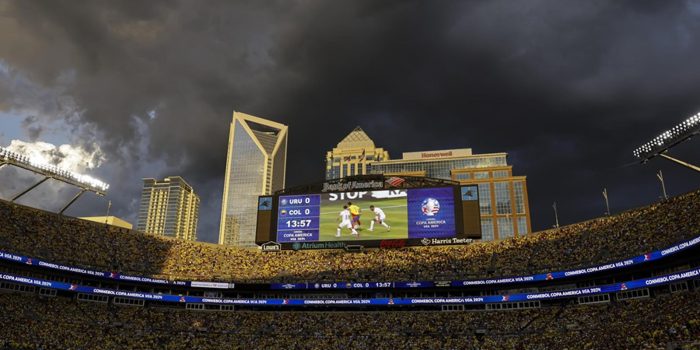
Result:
[[430, 207]]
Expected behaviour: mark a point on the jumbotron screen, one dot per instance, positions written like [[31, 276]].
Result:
[[367, 215]]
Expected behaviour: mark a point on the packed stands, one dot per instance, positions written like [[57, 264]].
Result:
[[660, 318], [71, 241], [667, 321]]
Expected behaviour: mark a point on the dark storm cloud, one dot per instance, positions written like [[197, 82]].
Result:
[[568, 88], [33, 129]]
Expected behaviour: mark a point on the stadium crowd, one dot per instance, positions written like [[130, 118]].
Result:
[[36, 233], [664, 322]]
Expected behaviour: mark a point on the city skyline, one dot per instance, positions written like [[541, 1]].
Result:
[[147, 90]]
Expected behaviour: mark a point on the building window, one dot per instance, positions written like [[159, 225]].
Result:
[[505, 228], [352, 169], [502, 198], [522, 225], [519, 197], [487, 229], [481, 175], [463, 176], [485, 199], [345, 171], [500, 173], [333, 172]]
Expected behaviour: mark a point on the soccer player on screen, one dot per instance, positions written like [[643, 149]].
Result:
[[379, 217], [355, 213], [345, 222]]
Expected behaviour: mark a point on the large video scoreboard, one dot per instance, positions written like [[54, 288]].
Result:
[[374, 217]]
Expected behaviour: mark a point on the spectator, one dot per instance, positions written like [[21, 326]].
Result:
[[71, 241], [58, 323]]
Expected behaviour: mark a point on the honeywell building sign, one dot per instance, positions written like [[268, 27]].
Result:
[[449, 153]]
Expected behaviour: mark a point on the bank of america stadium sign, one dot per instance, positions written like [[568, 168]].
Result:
[[351, 186]]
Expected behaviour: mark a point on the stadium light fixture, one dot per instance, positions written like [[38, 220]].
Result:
[[659, 145], [40, 166]]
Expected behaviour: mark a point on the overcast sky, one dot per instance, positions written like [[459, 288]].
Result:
[[147, 89]]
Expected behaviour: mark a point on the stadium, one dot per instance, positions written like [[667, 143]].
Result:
[[67, 282], [555, 231], [624, 280]]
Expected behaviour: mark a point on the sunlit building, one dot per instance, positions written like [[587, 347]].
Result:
[[109, 220], [353, 156], [255, 166], [169, 208], [503, 198]]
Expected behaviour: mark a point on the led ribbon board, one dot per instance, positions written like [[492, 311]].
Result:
[[640, 259], [504, 298]]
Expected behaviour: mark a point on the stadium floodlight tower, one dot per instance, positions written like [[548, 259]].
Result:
[[668, 139], [49, 171]]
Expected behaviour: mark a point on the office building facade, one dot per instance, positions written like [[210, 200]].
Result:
[[503, 198], [169, 207], [353, 155], [255, 165]]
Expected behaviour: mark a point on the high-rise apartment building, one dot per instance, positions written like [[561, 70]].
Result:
[[169, 208], [503, 197], [255, 166]]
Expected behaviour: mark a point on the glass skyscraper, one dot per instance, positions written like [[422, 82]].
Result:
[[255, 166]]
